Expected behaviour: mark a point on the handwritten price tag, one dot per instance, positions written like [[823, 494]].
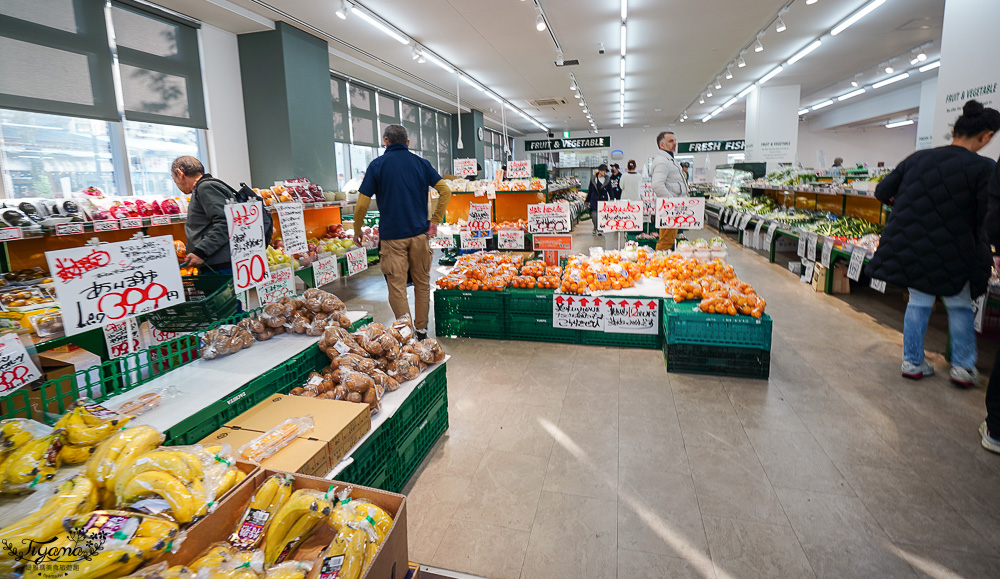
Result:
[[769, 238], [357, 260], [471, 241], [246, 245], [16, 367], [631, 316], [510, 239], [122, 338], [519, 169], [578, 313], [106, 225], [877, 285], [807, 274], [548, 218], [857, 262], [621, 215], [480, 217], [326, 270], [827, 252], [442, 242], [756, 233], [10, 234], [69, 228], [465, 167], [680, 213], [159, 220], [97, 286], [811, 248], [293, 227], [282, 286], [130, 222]]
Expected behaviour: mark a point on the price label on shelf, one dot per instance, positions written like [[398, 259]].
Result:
[[803, 241], [680, 213], [357, 261], [548, 218], [745, 222], [519, 169], [159, 220], [770, 235], [510, 239], [69, 228], [857, 262], [756, 233], [10, 233], [827, 252], [246, 245], [621, 215], [811, 250], [326, 270], [470, 241], [442, 242], [282, 285], [130, 222], [877, 285], [16, 367], [807, 271], [480, 217], [293, 227], [106, 225]]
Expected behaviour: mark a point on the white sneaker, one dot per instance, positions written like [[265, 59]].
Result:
[[964, 378], [989, 443], [915, 371]]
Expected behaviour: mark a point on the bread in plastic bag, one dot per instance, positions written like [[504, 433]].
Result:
[[275, 439], [139, 405]]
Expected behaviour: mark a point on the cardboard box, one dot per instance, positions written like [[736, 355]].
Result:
[[337, 423], [302, 455], [391, 561], [840, 285], [55, 365]]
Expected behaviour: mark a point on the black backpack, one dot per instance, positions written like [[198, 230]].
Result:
[[246, 195]]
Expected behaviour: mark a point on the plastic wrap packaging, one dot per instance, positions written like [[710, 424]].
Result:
[[34, 462], [162, 571], [88, 423], [225, 340], [275, 439], [405, 368], [16, 432], [179, 481], [388, 383], [290, 570], [222, 471], [294, 522], [110, 561], [353, 362], [142, 404], [151, 534], [402, 329], [223, 560], [430, 351], [48, 507], [345, 556], [266, 501], [117, 453]]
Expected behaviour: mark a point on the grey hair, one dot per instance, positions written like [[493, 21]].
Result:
[[395, 134], [659, 138], [188, 165]]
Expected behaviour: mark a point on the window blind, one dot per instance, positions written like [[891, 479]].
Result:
[[411, 122], [428, 132], [444, 142], [338, 87], [388, 112], [363, 116]]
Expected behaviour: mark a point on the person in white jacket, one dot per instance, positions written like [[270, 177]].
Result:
[[668, 180]]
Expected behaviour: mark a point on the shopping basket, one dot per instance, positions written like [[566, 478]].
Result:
[[210, 298]]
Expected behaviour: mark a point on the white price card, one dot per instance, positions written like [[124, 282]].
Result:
[[811, 249], [470, 241], [357, 261], [648, 199], [293, 227], [100, 285], [480, 217], [808, 268], [510, 239], [106, 225], [857, 262], [326, 270], [122, 338], [130, 222], [282, 285], [769, 238], [159, 220], [246, 245], [69, 228], [631, 316], [877, 285], [465, 167], [623, 215], [745, 221], [680, 212], [979, 312], [801, 251], [518, 169], [548, 218], [16, 367], [827, 252], [578, 313], [442, 242], [756, 234], [10, 233]]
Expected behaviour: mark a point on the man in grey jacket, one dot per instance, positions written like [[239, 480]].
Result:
[[668, 180], [206, 229]]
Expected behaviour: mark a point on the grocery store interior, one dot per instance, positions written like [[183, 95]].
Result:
[[588, 399]]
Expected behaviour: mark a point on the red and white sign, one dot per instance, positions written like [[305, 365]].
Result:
[[548, 218], [122, 338], [100, 285], [471, 241], [480, 216], [465, 167], [282, 286], [159, 220], [442, 242], [357, 261], [510, 239], [648, 199], [552, 242], [293, 227], [680, 213], [623, 215], [130, 222], [10, 233], [16, 367], [326, 270], [519, 169], [570, 312], [69, 228], [106, 225], [246, 245], [631, 315]]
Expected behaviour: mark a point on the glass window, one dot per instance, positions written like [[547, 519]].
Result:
[[53, 156], [151, 149], [411, 122], [343, 154], [363, 122], [338, 87], [428, 131], [361, 157]]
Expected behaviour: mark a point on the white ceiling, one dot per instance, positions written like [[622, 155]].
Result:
[[675, 49]]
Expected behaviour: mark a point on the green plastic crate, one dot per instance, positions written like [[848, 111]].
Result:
[[210, 297], [374, 461], [539, 328], [17, 404], [414, 445], [682, 324], [430, 389], [455, 302], [529, 302], [362, 322], [649, 341], [717, 360], [488, 326]]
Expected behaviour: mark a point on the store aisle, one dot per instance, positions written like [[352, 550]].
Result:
[[573, 461]]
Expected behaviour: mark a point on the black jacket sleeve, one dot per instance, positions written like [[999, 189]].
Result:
[[992, 220], [887, 189], [213, 199]]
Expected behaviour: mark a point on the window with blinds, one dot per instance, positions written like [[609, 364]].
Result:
[[338, 87], [363, 125], [160, 68], [444, 143], [428, 132], [56, 58], [410, 117], [388, 113]]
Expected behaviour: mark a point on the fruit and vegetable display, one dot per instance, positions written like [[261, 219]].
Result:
[[714, 283], [483, 270], [466, 186]]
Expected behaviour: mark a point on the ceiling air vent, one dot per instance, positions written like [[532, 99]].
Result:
[[549, 102]]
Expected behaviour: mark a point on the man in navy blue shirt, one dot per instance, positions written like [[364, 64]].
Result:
[[399, 181]]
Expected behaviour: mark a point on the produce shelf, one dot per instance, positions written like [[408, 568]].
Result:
[[538, 328], [530, 302], [488, 326], [683, 324], [717, 360], [412, 447]]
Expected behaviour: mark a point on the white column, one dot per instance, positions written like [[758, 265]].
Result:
[[228, 151], [925, 122], [772, 132], [969, 46]]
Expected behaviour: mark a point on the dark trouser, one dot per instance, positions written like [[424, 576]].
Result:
[[993, 400]]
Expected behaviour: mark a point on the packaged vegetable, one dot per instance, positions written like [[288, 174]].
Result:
[[275, 439]]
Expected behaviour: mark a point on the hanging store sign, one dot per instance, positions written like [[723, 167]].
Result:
[[560, 144], [623, 215], [711, 146], [246, 245]]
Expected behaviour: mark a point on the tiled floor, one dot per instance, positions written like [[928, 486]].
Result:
[[573, 461]]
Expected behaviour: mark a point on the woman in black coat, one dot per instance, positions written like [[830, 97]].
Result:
[[598, 190], [934, 243]]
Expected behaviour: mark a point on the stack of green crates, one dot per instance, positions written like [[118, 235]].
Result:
[[698, 343], [529, 317], [470, 314]]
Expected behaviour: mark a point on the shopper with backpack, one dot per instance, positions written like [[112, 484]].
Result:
[[206, 228]]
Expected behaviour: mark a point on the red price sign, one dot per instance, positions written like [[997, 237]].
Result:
[[116, 305], [10, 233], [106, 225], [680, 213], [480, 217], [246, 245], [619, 215], [357, 261], [548, 218], [16, 367], [250, 272], [519, 169]]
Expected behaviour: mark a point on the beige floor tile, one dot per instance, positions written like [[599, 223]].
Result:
[[658, 513], [732, 483], [447, 458], [933, 563], [796, 460], [481, 549], [504, 490], [647, 400], [582, 466], [522, 430], [847, 439], [639, 565], [746, 549], [711, 425], [652, 443], [430, 505], [840, 537], [546, 388], [761, 407], [572, 537]]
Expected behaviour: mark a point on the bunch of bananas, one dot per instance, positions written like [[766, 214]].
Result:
[[175, 475], [14, 433], [266, 501], [293, 523], [345, 557], [86, 426], [350, 518], [221, 561], [223, 470], [35, 461], [161, 571], [116, 454], [289, 570], [74, 496]]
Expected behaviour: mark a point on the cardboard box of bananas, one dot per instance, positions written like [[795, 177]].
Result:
[[291, 526]]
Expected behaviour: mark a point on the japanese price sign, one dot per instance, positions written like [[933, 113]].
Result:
[[510, 239], [631, 316], [16, 367], [827, 252], [130, 222], [106, 225], [857, 262], [246, 244], [293, 227], [69, 228], [519, 169], [578, 313], [282, 285], [159, 220], [471, 241], [442, 242], [122, 338], [648, 199], [357, 261], [548, 218], [621, 215], [480, 217], [100, 285], [465, 167], [326, 270], [10, 233], [680, 213]]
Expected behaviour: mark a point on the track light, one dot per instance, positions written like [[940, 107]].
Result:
[[708, 93], [729, 74], [889, 69], [922, 56], [559, 58], [701, 99], [342, 10], [580, 103], [780, 26], [718, 85], [415, 53], [421, 59], [540, 23], [576, 95], [855, 83], [757, 46], [740, 62]]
